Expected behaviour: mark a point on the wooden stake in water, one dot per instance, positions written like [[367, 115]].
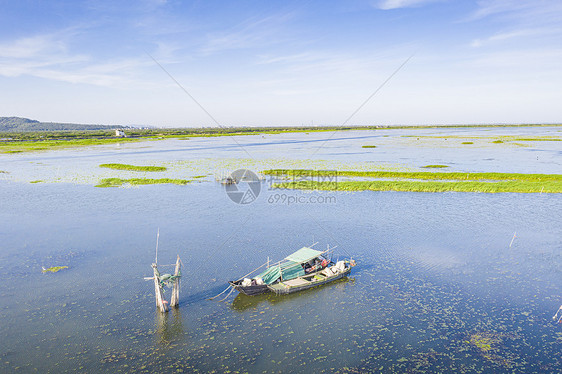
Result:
[[176, 288], [161, 303], [512, 239]]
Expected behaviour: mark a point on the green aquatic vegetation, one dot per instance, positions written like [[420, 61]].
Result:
[[490, 346], [534, 139], [493, 139], [133, 167], [44, 145], [427, 186], [369, 146], [54, 269], [118, 182], [295, 173], [435, 166], [482, 342], [37, 181]]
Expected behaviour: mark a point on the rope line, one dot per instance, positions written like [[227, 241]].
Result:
[[227, 295], [214, 297]]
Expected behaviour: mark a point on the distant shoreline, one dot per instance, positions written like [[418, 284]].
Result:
[[20, 124], [27, 141]]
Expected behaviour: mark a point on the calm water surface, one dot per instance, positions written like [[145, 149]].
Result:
[[437, 286]]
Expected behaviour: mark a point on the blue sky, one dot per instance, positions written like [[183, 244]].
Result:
[[282, 62]]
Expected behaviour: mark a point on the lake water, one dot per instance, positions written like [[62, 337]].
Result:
[[437, 287]]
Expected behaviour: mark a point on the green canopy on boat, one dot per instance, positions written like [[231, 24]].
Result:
[[270, 275], [290, 268], [303, 255]]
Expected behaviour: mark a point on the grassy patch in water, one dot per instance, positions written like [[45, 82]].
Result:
[[296, 173], [467, 143], [54, 269], [482, 342], [494, 139], [427, 186], [536, 139], [435, 166], [418, 181], [118, 182], [132, 167], [44, 145], [369, 146], [37, 181]]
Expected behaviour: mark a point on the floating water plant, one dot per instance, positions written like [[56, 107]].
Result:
[[133, 167], [54, 269], [37, 181], [427, 186], [415, 175], [435, 166], [369, 146], [45, 145], [482, 342], [467, 143], [536, 139], [117, 182], [420, 181]]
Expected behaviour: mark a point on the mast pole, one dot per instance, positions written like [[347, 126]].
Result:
[[157, 237]]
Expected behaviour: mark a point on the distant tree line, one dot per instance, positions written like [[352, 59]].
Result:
[[19, 124]]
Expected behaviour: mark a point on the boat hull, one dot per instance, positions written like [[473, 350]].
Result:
[[250, 290], [285, 288]]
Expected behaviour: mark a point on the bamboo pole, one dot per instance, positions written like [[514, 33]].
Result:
[[512, 239], [161, 303], [176, 289]]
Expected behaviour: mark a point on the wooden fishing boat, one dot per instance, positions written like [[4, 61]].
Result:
[[312, 280], [303, 269]]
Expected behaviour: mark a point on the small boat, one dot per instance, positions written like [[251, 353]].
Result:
[[306, 268], [229, 180]]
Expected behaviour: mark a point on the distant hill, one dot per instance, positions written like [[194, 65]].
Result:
[[19, 124]]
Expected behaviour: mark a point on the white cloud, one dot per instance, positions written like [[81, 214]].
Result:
[[248, 34], [487, 8], [537, 21], [395, 4], [502, 36], [48, 57], [524, 11], [31, 47]]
